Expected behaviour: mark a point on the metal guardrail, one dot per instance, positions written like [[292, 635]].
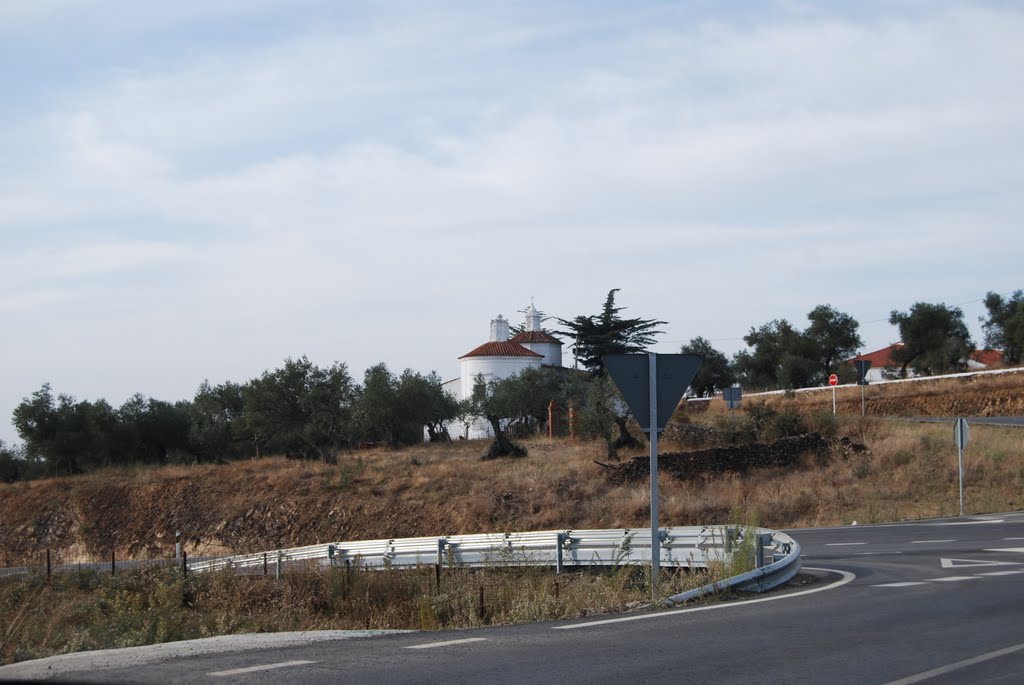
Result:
[[784, 564], [778, 555], [680, 546]]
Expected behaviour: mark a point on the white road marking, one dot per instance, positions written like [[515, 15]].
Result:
[[965, 523], [897, 525], [256, 669], [950, 579], [908, 584], [966, 563], [876, 554], [448, 643], [844, 544], [1002, 573], [956, 666], [1013, 538], [1018, 550], [925, 542], [846, 578]]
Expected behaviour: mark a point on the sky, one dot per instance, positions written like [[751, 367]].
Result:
[[201, 189]]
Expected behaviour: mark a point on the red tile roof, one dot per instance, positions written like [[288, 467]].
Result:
[[506, 348], [880, 358], [883, 357], [988, 358], [535, 337]]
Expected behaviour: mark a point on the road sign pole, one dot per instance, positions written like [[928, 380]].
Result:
[[833, 380], [960, 451], [960, 437], [652, 366], [863, 411], [652, 388]]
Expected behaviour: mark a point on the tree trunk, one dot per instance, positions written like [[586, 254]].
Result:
[[502, 446], [625, 438]]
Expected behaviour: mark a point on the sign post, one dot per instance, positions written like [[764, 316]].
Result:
[[652, 385], [652, 435], [732, 397], [862, 379], [833, 380], [960, 435]]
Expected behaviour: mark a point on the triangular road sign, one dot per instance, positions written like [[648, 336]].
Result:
[[964, 563], [631, 374]]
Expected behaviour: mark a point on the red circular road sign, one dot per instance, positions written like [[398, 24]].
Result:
[[833, 380]]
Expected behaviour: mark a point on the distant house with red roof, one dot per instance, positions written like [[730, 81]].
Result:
[[884, 366], [503, 356]]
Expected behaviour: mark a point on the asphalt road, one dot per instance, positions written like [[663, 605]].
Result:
[[937, 601]]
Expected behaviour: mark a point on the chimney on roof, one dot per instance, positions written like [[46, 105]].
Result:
[[499, 329], [532, 318]]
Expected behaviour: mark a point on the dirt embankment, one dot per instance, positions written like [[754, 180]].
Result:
[[219, 509], [983, 395]]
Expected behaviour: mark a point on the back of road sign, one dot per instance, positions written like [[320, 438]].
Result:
[[862, 366], [631, 373], [960, 433]]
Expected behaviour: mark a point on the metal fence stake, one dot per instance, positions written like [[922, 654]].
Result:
[[47, 563], [264, 563], [184, 563], [113, 566]]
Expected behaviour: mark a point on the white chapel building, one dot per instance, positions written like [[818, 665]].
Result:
[[501, 357]]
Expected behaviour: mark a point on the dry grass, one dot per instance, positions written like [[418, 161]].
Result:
[[910, 472], [88, 610]]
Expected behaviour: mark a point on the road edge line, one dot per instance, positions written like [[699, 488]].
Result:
[[847, 577]]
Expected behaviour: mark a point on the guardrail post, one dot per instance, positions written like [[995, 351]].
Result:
[[441, 544], [184, 563], [277, 572], [763, 540], [47, 564], [558, 553], [264, 563], [113, 567]]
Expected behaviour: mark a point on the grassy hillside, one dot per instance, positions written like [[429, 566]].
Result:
[[909, 470], [887, 470]]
